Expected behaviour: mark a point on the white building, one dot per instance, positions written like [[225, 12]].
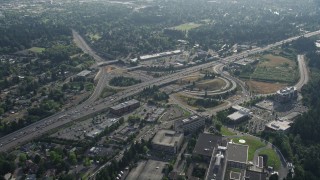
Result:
[[287, 94], [278, 125]]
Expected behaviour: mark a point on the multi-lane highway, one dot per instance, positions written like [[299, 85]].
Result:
[[37, 129]]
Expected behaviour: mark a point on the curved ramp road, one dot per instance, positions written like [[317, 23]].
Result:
[[304, 77], [38, 128]]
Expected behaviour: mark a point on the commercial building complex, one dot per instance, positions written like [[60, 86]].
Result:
[[167, 141], [287, 94], [122, 108], [190, 124]]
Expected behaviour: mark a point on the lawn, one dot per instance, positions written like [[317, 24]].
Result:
[[273, 158], [253, 144], [186, 26], [265, 87], [108, 92], [276, 69], [37, 49], [225, 131], [211, 85]]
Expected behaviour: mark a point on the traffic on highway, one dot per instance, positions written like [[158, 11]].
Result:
[[91, 106]]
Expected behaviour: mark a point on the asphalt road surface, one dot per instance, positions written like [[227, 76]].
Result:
[[304, 77], [40, 127]]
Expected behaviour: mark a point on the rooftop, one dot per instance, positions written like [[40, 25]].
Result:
[[206, 144], [290, 116], [279, 125], [125, 104], [237, 152], [237, 115], [167, 137], [84, 73], [157, 55], [191, 119], [287, 90], [245, 61], [235, 175], [253, 175]]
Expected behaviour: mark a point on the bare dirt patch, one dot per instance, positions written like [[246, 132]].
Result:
[[264, 87], [274, 61]]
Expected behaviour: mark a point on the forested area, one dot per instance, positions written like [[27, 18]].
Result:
[[302, 145], [122, 81]]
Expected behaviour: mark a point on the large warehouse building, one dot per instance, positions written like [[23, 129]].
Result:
[[167, 140]]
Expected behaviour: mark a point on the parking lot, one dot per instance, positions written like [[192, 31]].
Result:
[[147, 170], [78, 130], [269, 111], [173, 112]]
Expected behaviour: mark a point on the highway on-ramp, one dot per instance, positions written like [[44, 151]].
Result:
[[39, 128]]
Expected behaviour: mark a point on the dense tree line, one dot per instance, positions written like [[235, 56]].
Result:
[[124, 81], [302, 145], [19, 33]]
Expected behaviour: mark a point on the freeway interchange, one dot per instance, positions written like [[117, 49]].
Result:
[[91, 107]]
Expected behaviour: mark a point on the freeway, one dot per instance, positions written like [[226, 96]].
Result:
[[84, 47], [65, 116]]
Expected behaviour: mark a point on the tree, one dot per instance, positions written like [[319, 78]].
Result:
[[218, 125], [22, 157], [274, 177], [73, 158], [37, 159]]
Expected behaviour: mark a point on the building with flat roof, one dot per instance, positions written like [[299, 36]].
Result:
[[290, 117], [240, 114], [278, 125], [155, 115], [235, 175], [167, 140], [84, 73], [237, 155], [190, 124], [206, 144], [124, 107], [286, 94], [254, 175], [157, 55]]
